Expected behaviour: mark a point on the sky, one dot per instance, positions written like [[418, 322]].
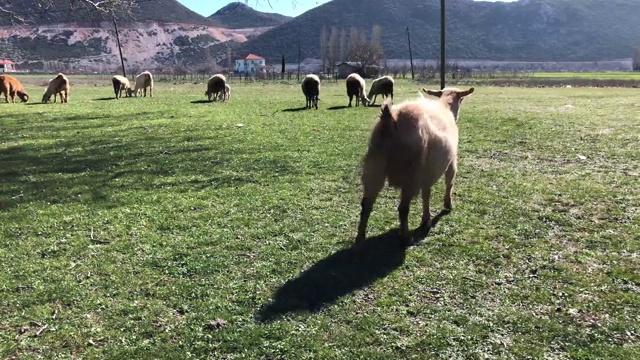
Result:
[[284, 7]]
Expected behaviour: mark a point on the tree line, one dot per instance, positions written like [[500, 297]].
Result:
[[356, 45]]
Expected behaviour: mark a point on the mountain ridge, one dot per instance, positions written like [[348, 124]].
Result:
[[525, 30], [237, 15]]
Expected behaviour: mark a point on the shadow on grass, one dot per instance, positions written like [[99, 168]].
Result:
[[341, 273], [39, 103], [105, 98], [338, 107], [201, 101], [335, 276], [295, 109]]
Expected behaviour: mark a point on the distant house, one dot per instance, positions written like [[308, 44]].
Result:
[[249, 64], [7, 66], [348, 67]]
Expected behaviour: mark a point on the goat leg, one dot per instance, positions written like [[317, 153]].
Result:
[[449, 177], [367, 206], [403, 215]]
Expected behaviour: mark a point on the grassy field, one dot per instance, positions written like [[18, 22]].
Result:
[[169, 227], [612, 75]]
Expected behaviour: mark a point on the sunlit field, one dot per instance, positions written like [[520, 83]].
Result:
[[173, 227]]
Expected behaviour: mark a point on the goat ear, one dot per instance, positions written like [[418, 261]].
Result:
[[466, 93], [436, 93]]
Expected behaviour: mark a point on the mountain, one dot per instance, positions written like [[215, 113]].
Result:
[[161, 11], [159, 34], [238, 15], [525, 30]]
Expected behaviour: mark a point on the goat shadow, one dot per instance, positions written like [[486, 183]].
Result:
[[106, 98], [340, 274], [201, 101], [295, 109], [338, 107]]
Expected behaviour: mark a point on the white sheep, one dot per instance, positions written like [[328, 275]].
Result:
[[311, 90], [356, 86], [58, 85], [227, 91], [381, 86], [120, 84], [144, 80], [412, 146]]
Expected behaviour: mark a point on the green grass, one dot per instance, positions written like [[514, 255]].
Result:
[[612, 75], [159, 228]]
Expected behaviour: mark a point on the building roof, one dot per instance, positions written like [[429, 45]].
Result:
[[6, 62], [252, 57]]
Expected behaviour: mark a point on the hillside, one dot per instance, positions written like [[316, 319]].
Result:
[[238, 15], [161, 11], [526, 30]]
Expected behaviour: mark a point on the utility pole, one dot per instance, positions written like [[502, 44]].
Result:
[[442, 45], [410, 53], [115, 25], [299, 60]]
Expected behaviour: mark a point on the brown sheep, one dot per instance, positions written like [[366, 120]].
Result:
[[311, 90], [381, 86], [11, 87], [216, 86], [412, 146], [57, 85], [356, 87], [120, 84]]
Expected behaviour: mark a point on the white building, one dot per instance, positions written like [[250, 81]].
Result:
[[250, 64], [7, 66]]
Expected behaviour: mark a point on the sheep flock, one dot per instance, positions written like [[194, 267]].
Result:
[[412, 145]]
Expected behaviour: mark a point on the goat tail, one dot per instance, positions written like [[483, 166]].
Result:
[[387, 121]]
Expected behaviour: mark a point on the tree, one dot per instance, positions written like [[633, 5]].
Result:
[[365, 52], [323, 47], [334, 48], [376, 36], [229, 60], [636, 60], [343, 44], [354, 38]]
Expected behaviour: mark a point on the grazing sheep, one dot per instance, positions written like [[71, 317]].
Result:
[[144, 80], [356, 87], [381, 86], [57, 85], [217, 85], [412, 146], [311, 90], [120, 84], [11, 87], [227, 91]]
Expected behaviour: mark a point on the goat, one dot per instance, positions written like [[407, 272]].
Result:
[[412, 146]]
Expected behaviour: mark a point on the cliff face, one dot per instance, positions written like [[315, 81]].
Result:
[[145, 44]]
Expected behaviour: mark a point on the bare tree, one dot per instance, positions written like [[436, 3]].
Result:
[[365, 52], [334, 48], [376, 36], [636, 60], [343, 44], [323, 47], [229, 60], [354, 38]]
